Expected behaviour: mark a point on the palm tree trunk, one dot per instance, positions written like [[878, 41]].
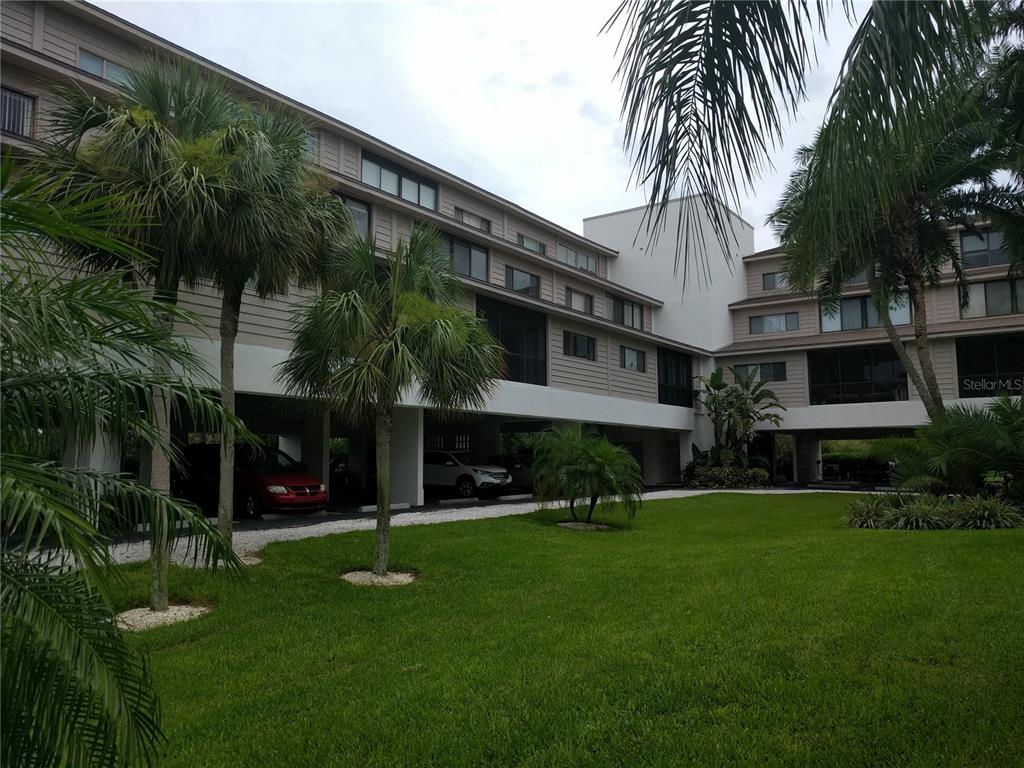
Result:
[[572, 509], [159, 480], [590, 511], [230, 307], [924, 352], [383, 541]]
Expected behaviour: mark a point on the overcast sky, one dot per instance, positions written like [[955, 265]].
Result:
[[517, 96]]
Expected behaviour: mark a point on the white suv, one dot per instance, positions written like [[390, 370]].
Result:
[[458, 471]]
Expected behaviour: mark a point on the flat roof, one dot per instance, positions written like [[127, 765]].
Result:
[[101, 15], [732, 213]]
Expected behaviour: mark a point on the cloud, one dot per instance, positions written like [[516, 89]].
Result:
[[560, 80], [590, 111]]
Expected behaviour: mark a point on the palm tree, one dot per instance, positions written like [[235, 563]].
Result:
[[74, 353], [708, 89], [573, 465], [953, 180], [382, 327], [750, 402], [278, 224], [153, 144]]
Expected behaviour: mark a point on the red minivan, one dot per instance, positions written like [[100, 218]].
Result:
[[266, 480]]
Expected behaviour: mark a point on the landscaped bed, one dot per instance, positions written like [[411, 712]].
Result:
[[724, 629]]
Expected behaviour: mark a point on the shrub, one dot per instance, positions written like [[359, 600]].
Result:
[[981, 512], [919, 513], [729, 477], [872, 511]]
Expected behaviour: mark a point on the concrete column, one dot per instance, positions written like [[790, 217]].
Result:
[[488, 438], [407, 457], [807, 459], [358, 443], [102, 454], [316, 442], [654, 456]]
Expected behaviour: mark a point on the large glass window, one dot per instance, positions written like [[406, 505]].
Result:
[[101, 67], [522, 282], [574, 258], [360, 214], [578, 345], [996, 297], [988, 365], [633, 359], [523, 334], [763, 371], [532, 244], [581, 302], [675, 378], [772, 280], [784, 321], [856, 375], [477, 222], [628, 313], [856, 312], [398, 181], [16, 111], [468, 258], [983, 249]]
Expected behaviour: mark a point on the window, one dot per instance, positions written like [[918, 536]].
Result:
[[468, 258], [856, 312], [522, 282], [581, 302], [101, 67], [531, 244], [988, 365], [772, 280], [627, 313], [856, 375], [477, 222], [786, 321], [763, 371], [313, 145], [16, 110], [524, 335], [633, 359], [996, 297], [983, 249], [574, 258], [395, 180], [578, 345], [675, 378], [360, 214]]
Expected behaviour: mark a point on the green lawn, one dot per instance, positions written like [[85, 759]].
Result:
[[720, 630]]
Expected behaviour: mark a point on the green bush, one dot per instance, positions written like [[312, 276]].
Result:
[[729, 477], [871, 511], [980, 512], [919, 513]]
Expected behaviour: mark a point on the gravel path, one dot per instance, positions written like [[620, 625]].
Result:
[[251, 542]]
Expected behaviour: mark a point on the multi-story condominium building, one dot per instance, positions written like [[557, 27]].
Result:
[[597, 328]]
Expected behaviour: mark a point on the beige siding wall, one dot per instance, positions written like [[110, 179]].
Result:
[[383, 226], [449, 199], [64, 34], [808, 321], [330, 150], [16, 22], [754, 270], [792, 392], [500, 260], [24, 82], [632, 384], [264, 322], [575, 373], [563, 281], [944, 360]]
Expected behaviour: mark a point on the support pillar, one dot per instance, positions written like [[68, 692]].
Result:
[[407, 457], [316, 442], [102, 454], [807, 459]]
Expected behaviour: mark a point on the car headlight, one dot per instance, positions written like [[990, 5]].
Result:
[[323, 487], [277, 490]]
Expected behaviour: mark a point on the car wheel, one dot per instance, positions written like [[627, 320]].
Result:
[[252, 509], [465, 488]]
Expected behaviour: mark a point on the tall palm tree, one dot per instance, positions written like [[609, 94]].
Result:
[[382, 327], [958, 179], [750, 402], [278, 224], [74, 354], [153, 143], [708, 89], [574, 466]]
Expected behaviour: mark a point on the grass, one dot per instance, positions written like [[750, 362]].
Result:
[[720, 630]]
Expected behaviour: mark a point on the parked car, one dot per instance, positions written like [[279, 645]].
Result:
[[520, 469], [266, 480], [458, 471]]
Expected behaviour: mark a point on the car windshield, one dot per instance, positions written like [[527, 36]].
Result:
[[274, 460]]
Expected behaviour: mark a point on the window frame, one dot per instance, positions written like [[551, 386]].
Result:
[[588, 300], [865, 311], [510, 273], [776, 371], [844, 390], [524, 242], [404, 175], [992, 381], [569, 348], [461, 214], [105, 62], [775, 278], [1002, 260], [639, 355], [30, 118], [786, 317], [674, 364], [1016, 289], [451, 240], [619, 312], [348, 202]]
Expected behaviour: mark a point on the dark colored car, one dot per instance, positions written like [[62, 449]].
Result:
[[266, 480]]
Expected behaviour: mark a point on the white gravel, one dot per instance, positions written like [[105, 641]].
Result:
[[250, 543], [139, 619], [371, 579]]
